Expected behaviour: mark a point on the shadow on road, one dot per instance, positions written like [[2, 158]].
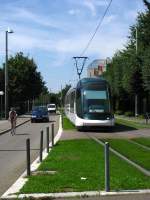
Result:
[[17, 150], [117, 128], [121, 128], [18, 134], [51, 121]]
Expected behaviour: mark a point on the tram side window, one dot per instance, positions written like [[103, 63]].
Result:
[[67, 104], [72, 98], [78, 103]]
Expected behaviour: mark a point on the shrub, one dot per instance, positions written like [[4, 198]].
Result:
[[119, 112], [141, 116], [129, 114]]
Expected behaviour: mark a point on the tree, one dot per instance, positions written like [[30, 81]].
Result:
[[2, 80], [146, 71], [147, 4], [25, 82], [129, 73], [63, 92]]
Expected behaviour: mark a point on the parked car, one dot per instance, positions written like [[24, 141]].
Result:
[[39, 113], [51, 107]]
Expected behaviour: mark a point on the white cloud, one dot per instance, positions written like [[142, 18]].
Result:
[[101, 2], [74, 11], [109, 19], [21, 15], [91, 6], [131, 14]]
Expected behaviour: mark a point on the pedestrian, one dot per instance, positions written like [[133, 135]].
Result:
[[13, 119]]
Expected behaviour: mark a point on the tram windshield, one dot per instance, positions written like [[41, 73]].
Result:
[[95, 101]]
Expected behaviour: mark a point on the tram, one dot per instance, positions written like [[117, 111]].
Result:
[[89, 104]]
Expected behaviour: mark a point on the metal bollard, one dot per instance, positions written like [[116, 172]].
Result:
[[41, 146], [47, 140], [107, 175], [28, 156], [52, 135]]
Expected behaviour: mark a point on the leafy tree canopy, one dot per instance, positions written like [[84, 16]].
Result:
[[25, 82]]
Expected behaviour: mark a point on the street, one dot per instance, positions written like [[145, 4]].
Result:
[[115, 197], [13, 150]]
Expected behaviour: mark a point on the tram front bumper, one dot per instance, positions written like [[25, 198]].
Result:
[[100, 123]]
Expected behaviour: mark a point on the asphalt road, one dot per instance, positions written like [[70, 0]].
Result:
[[13, 150]]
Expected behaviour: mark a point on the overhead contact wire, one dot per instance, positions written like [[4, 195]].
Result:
[[98, 26]]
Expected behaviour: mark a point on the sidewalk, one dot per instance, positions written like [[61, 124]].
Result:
[[5, 124]]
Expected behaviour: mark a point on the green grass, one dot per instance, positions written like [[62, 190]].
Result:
[[83, 158], [67, 124], [132, 124], [132, 151], [143, 141]]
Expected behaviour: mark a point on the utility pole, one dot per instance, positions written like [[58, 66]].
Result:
[[136, 96], [80, 68]]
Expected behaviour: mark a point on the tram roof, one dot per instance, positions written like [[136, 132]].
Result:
[[88, 80], [92, 79]]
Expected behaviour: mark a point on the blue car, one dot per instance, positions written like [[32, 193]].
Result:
[[39, 113]]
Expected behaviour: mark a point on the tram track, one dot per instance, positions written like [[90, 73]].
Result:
[[140, 168]]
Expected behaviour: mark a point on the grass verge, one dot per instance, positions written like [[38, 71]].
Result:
[[77, 159], [67, 124], [132, 151], [131, 124]]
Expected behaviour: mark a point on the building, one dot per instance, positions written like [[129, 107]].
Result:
[[97, 67]]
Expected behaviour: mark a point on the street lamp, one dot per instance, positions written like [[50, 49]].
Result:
[[1, 94], [6, 73]]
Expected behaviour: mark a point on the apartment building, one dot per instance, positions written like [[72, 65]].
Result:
[[97, 67]]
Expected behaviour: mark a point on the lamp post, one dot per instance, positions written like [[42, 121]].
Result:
[[6, 74], [1, 94]]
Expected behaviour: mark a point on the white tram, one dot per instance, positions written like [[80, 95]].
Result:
[[89, 104]]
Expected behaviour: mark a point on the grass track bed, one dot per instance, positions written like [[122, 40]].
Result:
[[132, 124], [83, 158], [143, 141], [132, 151]]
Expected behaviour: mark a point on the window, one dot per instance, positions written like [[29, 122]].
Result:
[[72, 99], [92, 94], [95, 101]]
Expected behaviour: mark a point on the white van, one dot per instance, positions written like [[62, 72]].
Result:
[[51, 108]]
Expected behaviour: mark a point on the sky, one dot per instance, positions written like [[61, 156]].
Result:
[[53, 31]]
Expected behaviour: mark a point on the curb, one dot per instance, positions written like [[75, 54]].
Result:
[[7, 130], [75, 194]]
